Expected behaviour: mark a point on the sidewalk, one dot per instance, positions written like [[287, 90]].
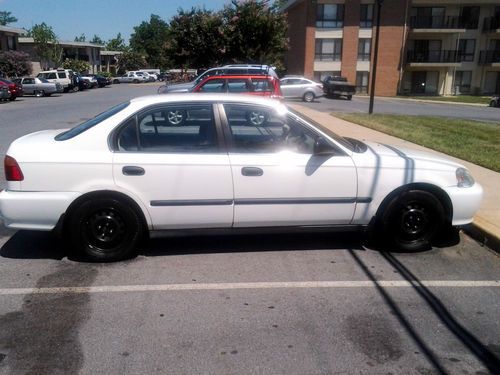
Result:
[[486, 225]]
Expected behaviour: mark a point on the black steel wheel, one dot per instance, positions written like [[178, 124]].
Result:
[[412, 220], [105, 229]]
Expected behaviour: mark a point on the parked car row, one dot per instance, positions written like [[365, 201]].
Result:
[[137, 77]]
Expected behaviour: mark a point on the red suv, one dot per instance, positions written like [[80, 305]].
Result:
[[15, 89], [263, 85]]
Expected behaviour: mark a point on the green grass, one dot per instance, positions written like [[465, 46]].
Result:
[[473, 141], [455, 99]]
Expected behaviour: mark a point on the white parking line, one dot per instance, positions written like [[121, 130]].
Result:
[[255, 285]]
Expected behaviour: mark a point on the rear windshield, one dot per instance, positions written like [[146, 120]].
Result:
[[90, 123]]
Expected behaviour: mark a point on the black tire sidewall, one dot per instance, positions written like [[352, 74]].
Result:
[[79, 240], [392, 218]]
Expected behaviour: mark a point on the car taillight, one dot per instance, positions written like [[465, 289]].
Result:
[[12, 170]]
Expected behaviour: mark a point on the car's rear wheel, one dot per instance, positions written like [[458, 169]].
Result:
[[39, 93], [135, 81], [104, 229], [411, 220], [308, 97], [493, 103]]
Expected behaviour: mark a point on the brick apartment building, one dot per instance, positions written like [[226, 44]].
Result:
[[439, 47]]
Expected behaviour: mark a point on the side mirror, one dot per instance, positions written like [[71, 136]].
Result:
[[323, 147]]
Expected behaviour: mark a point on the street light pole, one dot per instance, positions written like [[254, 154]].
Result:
[[375, 57]]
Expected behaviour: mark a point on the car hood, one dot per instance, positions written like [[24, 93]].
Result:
[[180, 87]]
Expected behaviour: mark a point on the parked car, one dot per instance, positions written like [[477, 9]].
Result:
[[130, 77], [300, 87], [137, 167], [226, 69], [337, 86], [101, 80], [62, 76], [15, 89], [4, 91], [79, 84], [495, 101], [261, 85], [39, 86], [92, 81]]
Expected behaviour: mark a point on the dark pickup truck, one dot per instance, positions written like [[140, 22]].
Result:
[[338, 86]]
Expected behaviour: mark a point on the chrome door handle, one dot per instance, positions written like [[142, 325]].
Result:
[[252, 171], [131, 170]]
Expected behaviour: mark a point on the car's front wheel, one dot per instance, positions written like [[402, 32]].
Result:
[[308, 97], [104, 229], [412, 220], [39, 93]]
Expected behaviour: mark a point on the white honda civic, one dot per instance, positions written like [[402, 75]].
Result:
[[191, 162]]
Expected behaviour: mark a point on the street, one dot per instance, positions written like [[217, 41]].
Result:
[[244, 304]]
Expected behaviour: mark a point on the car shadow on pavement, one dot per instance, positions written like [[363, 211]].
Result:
[[199, 244], [25, 244], [479, 350]]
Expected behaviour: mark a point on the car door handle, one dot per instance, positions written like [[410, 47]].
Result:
[[130, 170], [252, 171]]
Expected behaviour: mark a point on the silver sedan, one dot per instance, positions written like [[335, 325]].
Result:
[[301, 87], [39, 86]]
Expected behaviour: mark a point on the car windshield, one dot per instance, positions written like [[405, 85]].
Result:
[[90, 123], [344, 142]]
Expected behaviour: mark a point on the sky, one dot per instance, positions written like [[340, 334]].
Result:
[[104, 18]]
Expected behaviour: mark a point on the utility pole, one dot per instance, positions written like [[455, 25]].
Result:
[[375, 57]]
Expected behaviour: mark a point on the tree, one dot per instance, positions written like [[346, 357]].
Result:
[[196, 39], [46, 45], [15, 64], [149, 39], [116, 44], [130, 60], [255, 32], [6, 18], [78, 66], [80, 38], [97, 40]]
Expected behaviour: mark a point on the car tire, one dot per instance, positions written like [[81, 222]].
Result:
[[39, 93], [104, 230], [116, 81], [12, 98], [308, 97], [256, 118], [176, 116], [494, 104], [135, 81], [48, 94], [411, 221], [349, 97]]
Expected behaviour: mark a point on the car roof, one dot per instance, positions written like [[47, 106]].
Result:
[[236, 76]]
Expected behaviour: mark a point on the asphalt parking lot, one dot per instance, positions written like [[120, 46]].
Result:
[[267, 304]]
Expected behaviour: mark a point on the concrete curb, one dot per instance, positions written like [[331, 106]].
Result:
[[432, 101], [482, 235]]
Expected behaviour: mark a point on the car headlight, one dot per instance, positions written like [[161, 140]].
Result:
[[464, 178]]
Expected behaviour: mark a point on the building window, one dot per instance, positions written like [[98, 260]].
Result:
[[463, 80], [362, 82], [328, 50], [466, 49], [469, 17], [366, 18], [11, 43], [330, 16], [320, 76], [364, 48]]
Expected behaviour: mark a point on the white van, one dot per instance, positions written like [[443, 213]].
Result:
[[62, 76]]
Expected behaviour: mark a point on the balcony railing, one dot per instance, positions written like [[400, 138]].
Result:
[[433, 56], [328, 56], [491, 23], [435, 22], [364, 56], [489, 57]]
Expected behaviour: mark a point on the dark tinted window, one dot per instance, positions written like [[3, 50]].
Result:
[[261, 85], [237, 85]]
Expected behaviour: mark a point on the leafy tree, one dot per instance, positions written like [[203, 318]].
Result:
[[80, 38], [196, 38], [6, 18], [149, 39], [255, 32], [97, 40], [78, 66], [15, 63], [46, 45], [130, 60], [116, 44]]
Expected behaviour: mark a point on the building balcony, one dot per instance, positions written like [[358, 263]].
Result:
[[487, 57], [433, 24], [433, 58], [491, 25], [77, 57]]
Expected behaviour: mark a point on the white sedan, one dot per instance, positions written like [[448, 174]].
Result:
[[191, 162]]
